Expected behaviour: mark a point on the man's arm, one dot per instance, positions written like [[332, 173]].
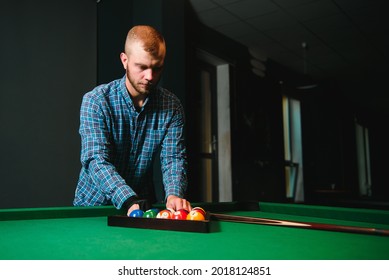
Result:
[[96, 153], [174, 164]]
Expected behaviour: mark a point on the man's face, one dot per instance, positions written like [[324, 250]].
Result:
[[143, 69]]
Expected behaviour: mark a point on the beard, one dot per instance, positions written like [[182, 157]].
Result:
[[142, 87]]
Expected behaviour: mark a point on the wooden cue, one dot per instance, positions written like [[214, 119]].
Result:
[[306, 225]]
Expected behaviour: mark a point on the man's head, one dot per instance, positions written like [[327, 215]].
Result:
[[143, 58]]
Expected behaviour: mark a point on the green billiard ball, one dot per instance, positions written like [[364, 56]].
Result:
[[150, 214]]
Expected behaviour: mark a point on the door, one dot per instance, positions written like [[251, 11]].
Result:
[[204, 156]]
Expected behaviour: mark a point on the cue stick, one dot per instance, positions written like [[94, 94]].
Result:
[[305, 225]]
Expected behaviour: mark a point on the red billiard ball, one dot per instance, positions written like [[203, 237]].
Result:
[[165, 214], [137, 213], [180, 214], [195, 216]]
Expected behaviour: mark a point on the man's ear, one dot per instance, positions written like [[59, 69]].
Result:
[[124, 59]]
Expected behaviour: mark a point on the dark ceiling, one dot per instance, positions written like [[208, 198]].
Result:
[[345, 40]]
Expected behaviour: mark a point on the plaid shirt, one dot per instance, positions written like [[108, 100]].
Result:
[[119, 144]]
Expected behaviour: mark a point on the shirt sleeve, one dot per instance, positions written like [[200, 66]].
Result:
[[173, 156], [96, 153]]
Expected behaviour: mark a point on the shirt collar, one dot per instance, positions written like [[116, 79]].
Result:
[[127, 97]]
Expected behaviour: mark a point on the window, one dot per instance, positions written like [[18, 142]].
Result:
[[363, 158], [294, 189]]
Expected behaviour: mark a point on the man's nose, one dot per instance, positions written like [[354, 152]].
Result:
[[149, 74]]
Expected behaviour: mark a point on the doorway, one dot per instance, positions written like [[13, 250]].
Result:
[[211, 133]]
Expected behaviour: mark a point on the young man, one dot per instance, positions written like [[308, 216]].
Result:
[[123, 124]]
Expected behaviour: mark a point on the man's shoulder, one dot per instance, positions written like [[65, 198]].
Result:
[[105, 91], [166, 95]]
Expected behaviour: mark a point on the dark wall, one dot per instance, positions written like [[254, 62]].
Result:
[[52, 53], [48, 60], [329, 146], [258, 140], [113, 23]]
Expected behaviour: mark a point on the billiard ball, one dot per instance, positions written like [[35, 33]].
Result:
[[156, 210], [165, 214], [180, 214], [199, 209], [137, 213], [195, 216], [150, 214]]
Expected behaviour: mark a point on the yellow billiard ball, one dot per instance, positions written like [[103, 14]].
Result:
[[195, 216]]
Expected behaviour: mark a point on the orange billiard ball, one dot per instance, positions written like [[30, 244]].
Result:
[[195, 216], [165, 214]]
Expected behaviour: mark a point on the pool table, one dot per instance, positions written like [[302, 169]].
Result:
[[73, 233]]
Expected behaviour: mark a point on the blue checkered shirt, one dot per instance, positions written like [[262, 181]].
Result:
[[119, 144]]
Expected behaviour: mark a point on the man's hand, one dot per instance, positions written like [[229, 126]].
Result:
[[135, 203], [132, 208], [177, 203]]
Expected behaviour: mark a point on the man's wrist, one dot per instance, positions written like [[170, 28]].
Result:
[[144, 204], [129, 202]]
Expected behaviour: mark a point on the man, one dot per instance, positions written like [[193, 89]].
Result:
[[123, 124]]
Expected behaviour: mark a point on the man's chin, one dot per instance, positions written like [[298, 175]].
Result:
[[144, 89]]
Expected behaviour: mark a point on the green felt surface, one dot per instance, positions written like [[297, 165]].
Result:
[[77, 238]]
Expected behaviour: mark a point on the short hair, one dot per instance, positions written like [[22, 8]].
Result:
[[148, 35]]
